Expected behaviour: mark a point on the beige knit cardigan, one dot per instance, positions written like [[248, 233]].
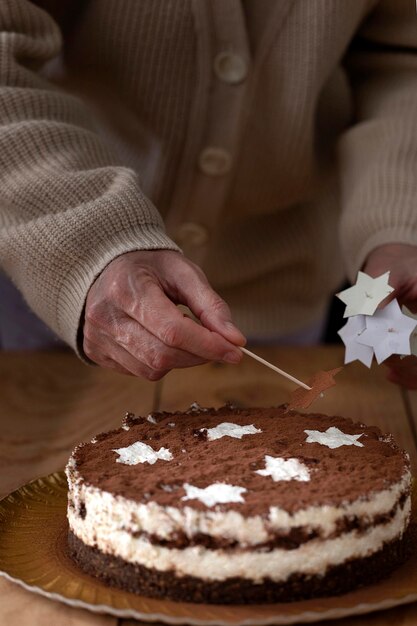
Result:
[[277, 140]]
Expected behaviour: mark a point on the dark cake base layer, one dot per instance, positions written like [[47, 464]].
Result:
[[138, 579]]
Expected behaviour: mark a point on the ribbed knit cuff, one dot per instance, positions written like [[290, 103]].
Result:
[[80, 277]]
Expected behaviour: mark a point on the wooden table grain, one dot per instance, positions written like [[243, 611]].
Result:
[[50, 401]]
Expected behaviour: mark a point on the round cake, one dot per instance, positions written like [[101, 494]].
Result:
[[239, 505]]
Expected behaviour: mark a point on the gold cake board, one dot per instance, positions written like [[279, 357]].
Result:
[[33, 531]]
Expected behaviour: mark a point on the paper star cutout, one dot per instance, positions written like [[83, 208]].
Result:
[[217, 493], [349, 333], [319, 382], [413, 338], [140, 452], [388, 332], [333, 438], [364, 297], [228, 429], [284, 469]]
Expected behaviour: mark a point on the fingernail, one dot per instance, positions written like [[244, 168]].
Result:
[[232, 357]]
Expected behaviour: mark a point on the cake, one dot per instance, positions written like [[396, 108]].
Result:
[[239, 505]]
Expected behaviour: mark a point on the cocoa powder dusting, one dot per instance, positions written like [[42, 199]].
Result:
[[337, 475]]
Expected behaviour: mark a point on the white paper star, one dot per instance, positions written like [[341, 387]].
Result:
[[413, 337], [227, 429], [349, 333], [388, 332], [217, 493], [140, 452], [363, 297], [284, 469], [333, 438]]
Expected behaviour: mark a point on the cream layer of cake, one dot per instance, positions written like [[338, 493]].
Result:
[[108, 513], [280, 524], [312, 557]]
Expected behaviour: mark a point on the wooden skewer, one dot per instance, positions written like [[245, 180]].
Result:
[[276, 369]]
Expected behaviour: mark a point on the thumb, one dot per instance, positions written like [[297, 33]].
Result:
[[209, 307]]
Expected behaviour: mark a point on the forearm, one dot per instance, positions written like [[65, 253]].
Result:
[[68, 208]]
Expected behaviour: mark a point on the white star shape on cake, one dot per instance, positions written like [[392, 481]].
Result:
[[284, 469], [228, 429], [349, 334], [365, 295], [140, 452], [333, 438], [388, 332], [217, 493]]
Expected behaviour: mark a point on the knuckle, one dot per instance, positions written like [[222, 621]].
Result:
[[171, 335], [134, 307], [218, 305], [88, 333], [154, 375], [92, 351], [86, 342], [94, 314], [137, 306], [190, 273], [159, 360], [114, 287], [123, 334]]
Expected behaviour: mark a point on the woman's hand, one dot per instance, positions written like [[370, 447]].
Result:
[[401, 260], [132, 323]]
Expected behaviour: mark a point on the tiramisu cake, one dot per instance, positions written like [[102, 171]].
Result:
[[239, 505]]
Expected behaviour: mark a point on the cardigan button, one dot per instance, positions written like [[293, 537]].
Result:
[[230, 67], [214, 161], [192, 233]]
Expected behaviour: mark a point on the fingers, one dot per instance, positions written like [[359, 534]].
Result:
[[401, 261], [97, 355], [408, 380], [124, 342], [133, 326], [194, 290], [150, 350], [160, 317], [403, 371], [107, 353]]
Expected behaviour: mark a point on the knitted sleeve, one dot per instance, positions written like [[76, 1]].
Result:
[[378, 154], [67, 208]]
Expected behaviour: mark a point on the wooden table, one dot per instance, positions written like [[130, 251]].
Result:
[[51, 401]]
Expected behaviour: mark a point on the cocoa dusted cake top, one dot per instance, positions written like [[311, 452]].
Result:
[[262, 458]]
